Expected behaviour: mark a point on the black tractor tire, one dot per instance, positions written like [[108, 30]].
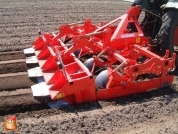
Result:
[[165, 36]]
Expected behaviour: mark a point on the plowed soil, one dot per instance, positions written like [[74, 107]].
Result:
[[13, 67], [148, 113], [4, 56]]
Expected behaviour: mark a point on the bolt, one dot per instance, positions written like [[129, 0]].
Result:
[[39, 32]]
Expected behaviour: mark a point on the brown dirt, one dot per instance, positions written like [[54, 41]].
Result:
[[21, 20], [4, 56], [13, 67], [13, 81], [134, 114], [153, 112]]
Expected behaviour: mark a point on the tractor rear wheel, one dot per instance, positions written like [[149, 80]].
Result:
[[166, 33]]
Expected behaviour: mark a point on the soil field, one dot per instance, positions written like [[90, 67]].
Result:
[[148, 113]]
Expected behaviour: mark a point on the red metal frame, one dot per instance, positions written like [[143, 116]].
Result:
[[74, 83]]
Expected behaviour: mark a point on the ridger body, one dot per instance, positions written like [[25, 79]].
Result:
[[87, 62]]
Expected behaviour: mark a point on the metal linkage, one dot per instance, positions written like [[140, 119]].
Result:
[[121, 57]]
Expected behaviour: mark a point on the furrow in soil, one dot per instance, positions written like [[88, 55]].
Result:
[[13, 81], [11, 55], [13, 66]]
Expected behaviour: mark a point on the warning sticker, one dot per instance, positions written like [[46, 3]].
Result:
[[138, 40], [60, 95], [127, 35]]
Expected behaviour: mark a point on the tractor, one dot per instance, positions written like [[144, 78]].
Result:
[[160, 23], [85, 62]]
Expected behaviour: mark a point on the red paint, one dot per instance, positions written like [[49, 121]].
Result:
[[75, 84]]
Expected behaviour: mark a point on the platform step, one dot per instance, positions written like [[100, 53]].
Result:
[[35, 72], [40, 89], [29, 51], [31, 60]]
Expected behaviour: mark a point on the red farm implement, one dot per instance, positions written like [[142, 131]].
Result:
[[84, 62]]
